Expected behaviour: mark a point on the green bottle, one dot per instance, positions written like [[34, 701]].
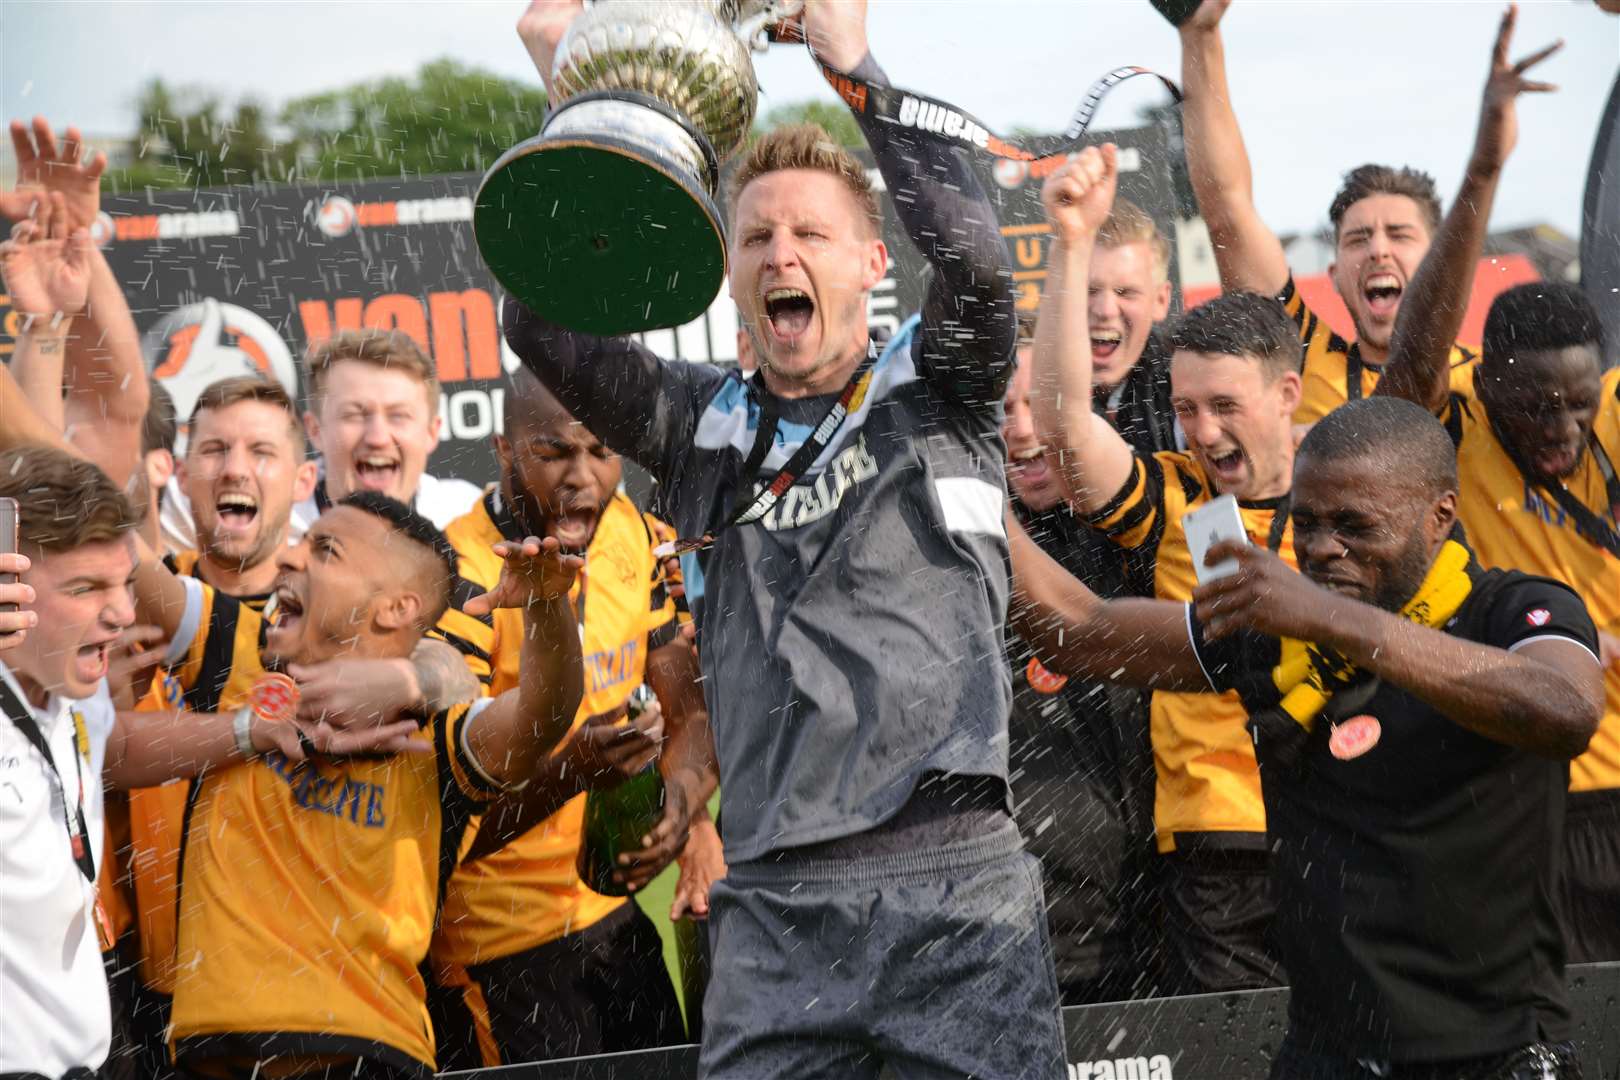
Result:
[[616, 819]]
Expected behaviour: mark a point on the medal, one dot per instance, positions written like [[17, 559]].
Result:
[[275, 697], [1354, 737], [1041, 680]]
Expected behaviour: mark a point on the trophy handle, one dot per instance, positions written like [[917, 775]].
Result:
[[755, 29]]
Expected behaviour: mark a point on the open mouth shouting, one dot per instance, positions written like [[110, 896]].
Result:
[[1029, 467], [1228, 469], [237, 511], [573, 527], [1382, 292], [91, 662], [1104, 344], [376, 472], [287, 618], [788, 314]]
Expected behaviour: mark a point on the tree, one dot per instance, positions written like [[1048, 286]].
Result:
[[447, 118], [188, 138]]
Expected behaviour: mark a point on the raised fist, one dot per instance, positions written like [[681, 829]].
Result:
[[1079, 196]]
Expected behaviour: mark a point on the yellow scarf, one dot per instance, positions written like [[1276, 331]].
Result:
[[1309, 675]]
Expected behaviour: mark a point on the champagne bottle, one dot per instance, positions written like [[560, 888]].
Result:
[[616, 819]]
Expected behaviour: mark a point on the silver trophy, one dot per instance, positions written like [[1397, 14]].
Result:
[[607, 222]]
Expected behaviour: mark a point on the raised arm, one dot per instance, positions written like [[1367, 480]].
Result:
[[513, 736], [46, 273], [1092, 459], [1546, 695], [965, 342], [153, 747], [1075, 632], [1247, 253], [1419, 365], [105, 375]]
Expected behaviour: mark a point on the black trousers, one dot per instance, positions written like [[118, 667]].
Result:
[[602, 990], [1589, 899], [1218, 912]]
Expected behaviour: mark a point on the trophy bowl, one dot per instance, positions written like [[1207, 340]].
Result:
[[607, 221]]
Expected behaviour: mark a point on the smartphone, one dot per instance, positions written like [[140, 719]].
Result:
[[8, 540], [1217, 520]]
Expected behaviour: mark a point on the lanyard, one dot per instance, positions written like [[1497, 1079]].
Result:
[[1589, 523], [769, 418], [78, 833]]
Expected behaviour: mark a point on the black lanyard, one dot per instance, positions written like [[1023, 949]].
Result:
[[1589, 524], [820, 438], [78, 834], [1279, 523]]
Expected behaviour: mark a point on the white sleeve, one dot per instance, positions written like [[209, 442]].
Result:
[[190, 622]]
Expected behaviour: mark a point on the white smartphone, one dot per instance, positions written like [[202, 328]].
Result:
[[1217, 520]]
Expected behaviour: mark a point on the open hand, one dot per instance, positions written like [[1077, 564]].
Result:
[[299, 740], [132, 663], [1080, 196], [1498, 117], [702, 864], [532, 570], [354, 692], [46, 270], [1264, 594], [43, 164]]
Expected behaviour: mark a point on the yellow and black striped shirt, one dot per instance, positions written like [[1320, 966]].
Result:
[[309, 891], [216, 674], [625, 613], [1207, 791], [1335, 371]]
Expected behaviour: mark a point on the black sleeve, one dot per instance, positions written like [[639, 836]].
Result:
[[639, 405], [1241, 662], [1526, 608], [965, 343]]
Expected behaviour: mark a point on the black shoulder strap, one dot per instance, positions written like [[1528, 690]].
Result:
[[78, 833]]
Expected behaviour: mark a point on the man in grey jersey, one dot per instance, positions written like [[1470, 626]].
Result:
[[879, 906]]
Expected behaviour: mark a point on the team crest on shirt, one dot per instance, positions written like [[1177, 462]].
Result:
[[1538, 617], [1041, 680]]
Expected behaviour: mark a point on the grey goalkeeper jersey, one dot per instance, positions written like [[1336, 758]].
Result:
[[851, 640]]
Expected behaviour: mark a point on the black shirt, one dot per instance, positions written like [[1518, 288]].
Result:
[[1415, 883], [1141, 412]]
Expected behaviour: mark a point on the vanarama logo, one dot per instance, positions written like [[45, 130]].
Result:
[[168, 226], [198, 344], [338, 216], [1156, 1067]]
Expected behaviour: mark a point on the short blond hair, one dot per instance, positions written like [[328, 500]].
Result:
[[388, 349], [1130, 224], [807, 146]]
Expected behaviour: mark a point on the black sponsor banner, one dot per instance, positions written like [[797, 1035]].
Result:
[[227, 281], [1208, 1037]]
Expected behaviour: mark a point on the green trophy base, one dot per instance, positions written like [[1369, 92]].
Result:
[[600, 236]]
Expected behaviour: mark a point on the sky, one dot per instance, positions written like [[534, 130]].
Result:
[[1319, 85]]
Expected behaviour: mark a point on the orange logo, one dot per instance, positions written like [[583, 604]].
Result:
[[1043, 681]]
